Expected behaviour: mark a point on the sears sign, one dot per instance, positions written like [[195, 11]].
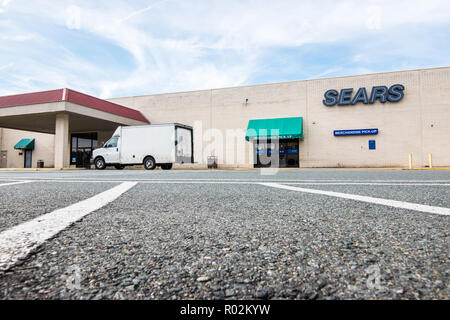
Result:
[[382, 93]]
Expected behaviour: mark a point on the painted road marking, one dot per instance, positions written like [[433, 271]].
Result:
[[201, 181], [16, 182], [385, 202], [369, 183], [17, 242]]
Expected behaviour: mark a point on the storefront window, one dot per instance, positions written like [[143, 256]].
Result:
[[288, 150], [81, 148]]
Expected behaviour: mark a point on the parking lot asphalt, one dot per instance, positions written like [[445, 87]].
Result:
[[225, 235]]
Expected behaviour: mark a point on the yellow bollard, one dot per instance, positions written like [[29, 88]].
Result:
[[430, 160], [410, 161]]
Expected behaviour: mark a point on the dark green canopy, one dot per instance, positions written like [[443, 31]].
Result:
[[279, 128], [25, 144]]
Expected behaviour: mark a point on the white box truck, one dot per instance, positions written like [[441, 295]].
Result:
[[153, 145]]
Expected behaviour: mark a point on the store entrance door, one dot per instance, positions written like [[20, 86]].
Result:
[[83, 158], [288, 150], [3, 159], [263, 153], [82, 146], [289, 153], [27, 159]]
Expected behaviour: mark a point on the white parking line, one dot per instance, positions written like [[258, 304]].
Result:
[[13, 183], [211, 181], [367, 184], [385, 202], [17, 242]]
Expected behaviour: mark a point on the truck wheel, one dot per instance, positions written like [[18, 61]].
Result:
[[100, 164], [119, 166], [149, 163], [166, 166]]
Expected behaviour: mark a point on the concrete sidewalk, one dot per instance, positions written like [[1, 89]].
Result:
[[224, 168]]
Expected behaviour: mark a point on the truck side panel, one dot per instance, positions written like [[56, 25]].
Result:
[[141, 141]]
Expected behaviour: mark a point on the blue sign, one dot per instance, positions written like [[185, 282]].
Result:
[[371, 144], [355, 132], [345, 96], [282, 151]]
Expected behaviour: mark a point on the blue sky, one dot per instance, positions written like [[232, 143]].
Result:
[[122, 48]]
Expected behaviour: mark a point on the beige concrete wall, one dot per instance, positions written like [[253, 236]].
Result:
[[43, 148], [435, 98], [399, 124], [418, 124]]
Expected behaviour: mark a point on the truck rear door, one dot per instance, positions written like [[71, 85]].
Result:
[[184, 144]]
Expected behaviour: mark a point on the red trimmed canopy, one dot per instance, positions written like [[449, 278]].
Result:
[[72, 96]]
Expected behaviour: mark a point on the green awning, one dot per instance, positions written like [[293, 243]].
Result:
[[280, 128], [26, 144]]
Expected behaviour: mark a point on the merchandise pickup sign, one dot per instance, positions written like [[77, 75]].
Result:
[[355, 132]]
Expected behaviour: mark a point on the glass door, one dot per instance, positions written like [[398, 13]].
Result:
[[265, 152], [3, 159], [289, 153], [27, 163], [82, 145]]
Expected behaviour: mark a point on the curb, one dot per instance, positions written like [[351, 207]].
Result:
[[230, 169]]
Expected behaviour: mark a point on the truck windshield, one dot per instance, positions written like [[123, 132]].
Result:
[[112, 143]]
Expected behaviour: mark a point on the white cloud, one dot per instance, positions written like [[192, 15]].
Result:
[[3, 4], [374, 14], [141, 11], [187, 45], [18, 37], [73, 19], [6, 66]]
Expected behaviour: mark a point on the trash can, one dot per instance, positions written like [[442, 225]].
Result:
[[212, 162], [40, 163]]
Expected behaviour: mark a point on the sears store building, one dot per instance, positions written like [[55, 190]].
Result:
[[393, 119]]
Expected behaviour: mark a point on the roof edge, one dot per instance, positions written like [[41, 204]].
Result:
[[69, 95]]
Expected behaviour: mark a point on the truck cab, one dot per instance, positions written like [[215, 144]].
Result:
[[108, 154]]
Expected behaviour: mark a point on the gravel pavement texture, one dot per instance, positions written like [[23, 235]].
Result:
[[241, 241], [23, 202]]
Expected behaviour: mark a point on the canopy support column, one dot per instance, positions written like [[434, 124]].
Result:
[[62, 141]]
